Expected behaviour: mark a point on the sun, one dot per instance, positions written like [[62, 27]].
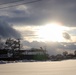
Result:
[[51, 32]]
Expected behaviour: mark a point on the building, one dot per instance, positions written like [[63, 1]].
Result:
[[33, 52]]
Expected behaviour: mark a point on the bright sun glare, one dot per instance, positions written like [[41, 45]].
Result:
[[51, 32]]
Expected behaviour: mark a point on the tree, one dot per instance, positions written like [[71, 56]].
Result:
[[75, 52], [65, 53], [12, 44], [1, 43]]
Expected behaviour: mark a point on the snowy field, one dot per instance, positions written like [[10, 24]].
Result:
[[67, 67]]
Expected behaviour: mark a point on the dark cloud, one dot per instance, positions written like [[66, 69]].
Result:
[[43, 12], [7, 31], [40, 13], [66, 36]]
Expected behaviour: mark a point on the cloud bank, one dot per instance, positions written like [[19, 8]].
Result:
[[6, 31], [41, 12], [37, 14], [51, 47]]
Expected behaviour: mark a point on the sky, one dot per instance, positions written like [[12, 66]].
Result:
[[47, 23]]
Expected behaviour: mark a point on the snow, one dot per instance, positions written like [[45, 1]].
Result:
[[67, 67]]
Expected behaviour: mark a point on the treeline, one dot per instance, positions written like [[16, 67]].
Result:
[[11, 50], [65, 55], [23, 55]]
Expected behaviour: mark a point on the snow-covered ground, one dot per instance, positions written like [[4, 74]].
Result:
[[67, 67]]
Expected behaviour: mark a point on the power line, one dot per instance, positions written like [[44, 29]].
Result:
[[12, 2], [18, 4]]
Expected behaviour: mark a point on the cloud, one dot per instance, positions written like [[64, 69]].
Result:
[[66, 36], [42, 12], [39, 13], [6, 31], [51, 47]]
